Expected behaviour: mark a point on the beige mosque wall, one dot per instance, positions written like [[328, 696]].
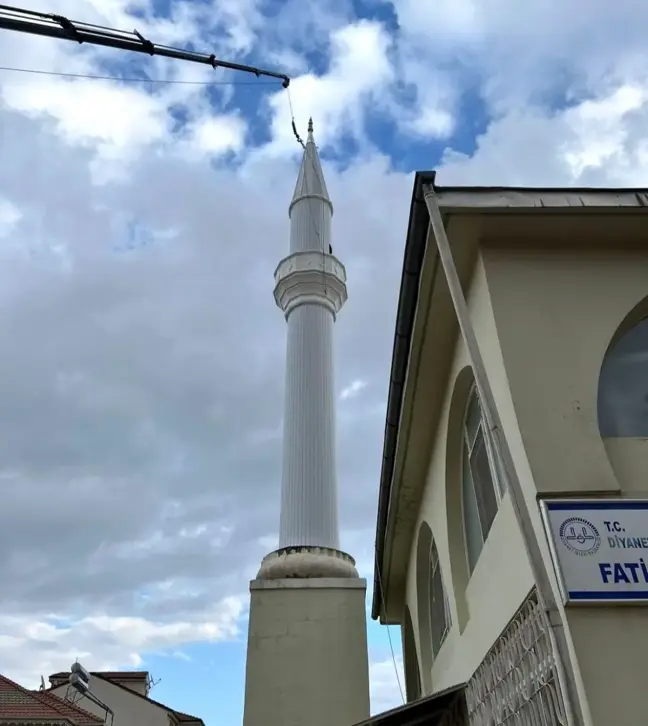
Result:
[[544, 320], [557, 312]]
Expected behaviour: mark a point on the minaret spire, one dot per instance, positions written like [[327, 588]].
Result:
[[307, 660]]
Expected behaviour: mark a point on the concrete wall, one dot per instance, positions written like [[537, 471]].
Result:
[[129, 708], [307, 657], [544, 320]]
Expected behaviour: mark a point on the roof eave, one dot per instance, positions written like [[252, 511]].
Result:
[[407, 303]]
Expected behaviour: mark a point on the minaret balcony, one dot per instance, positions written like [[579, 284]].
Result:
[[310, 278]]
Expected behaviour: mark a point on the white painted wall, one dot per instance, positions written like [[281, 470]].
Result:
[[307, 662]]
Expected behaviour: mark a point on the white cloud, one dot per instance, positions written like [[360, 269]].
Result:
[[31, 646], [114, 118], [353, 389], [387, 686], [359, 70], [10, 215]]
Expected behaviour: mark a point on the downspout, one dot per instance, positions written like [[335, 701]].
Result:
[[564, 663]]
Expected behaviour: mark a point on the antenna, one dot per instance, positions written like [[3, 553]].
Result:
[[151, 683], [42, 685]]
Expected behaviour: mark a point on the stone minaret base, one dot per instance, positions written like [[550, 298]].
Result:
[[307, 662]]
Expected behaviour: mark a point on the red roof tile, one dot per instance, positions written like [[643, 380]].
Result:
[[18, 703]]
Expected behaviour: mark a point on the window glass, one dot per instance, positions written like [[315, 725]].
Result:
[[439, 614], [480, 495], [483, 485], [623, 386], [472, 526]]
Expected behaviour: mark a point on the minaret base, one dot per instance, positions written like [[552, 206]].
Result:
[[307, 662]]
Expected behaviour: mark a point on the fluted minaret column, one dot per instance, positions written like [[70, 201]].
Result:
[[310, 289]]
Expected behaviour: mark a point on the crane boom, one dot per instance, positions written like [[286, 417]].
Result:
[[58, 26]]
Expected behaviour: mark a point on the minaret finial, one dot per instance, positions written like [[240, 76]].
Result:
[[310, 125]]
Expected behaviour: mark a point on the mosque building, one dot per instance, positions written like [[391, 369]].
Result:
[[512, 537]]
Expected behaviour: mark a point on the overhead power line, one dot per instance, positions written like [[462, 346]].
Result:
[[58, 26], [122, 79]]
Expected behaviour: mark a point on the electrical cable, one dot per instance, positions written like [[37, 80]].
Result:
[[138, 80], [391, 645]]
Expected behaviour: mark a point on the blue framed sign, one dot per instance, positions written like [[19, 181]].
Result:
[[599, 548]]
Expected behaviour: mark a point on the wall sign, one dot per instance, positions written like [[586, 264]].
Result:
[[599, 548]]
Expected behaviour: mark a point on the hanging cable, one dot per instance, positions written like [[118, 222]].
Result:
[[292, 120], [137, 80], [381, 595]]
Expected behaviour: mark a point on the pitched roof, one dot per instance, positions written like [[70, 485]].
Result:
[[115, 677], [310, 180], [19, 704]]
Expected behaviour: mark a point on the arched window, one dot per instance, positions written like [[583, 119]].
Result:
[[439, 612], [623, 386], [432, 602], [481, 487]]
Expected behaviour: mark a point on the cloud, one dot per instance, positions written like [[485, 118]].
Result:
[[386, 684], [338, 99], [105, 642], [352, 390], [10, 215], [142, 390]]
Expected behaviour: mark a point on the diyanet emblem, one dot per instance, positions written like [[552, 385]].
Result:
[[580, 536]]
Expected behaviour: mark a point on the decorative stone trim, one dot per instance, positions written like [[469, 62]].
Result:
[[310, 277], [306, 561]]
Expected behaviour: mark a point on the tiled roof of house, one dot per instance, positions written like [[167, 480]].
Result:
[[186, 718], [18, 704]]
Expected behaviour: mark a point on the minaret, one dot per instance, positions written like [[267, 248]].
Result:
[[307, 662]]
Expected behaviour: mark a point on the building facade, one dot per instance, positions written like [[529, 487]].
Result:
[[520, 377]]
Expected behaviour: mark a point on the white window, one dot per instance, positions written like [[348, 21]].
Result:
[[439, 611], [482, 490], [623, 386]]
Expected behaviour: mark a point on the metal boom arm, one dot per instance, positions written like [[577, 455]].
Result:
[[57, 26]]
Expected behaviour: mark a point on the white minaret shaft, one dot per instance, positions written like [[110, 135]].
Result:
[[310, 289], [307, 659]]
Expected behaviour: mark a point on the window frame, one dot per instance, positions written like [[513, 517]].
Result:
[[437, 635], [499, 486]]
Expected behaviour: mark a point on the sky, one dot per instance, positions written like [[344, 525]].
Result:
[[141, 375]]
